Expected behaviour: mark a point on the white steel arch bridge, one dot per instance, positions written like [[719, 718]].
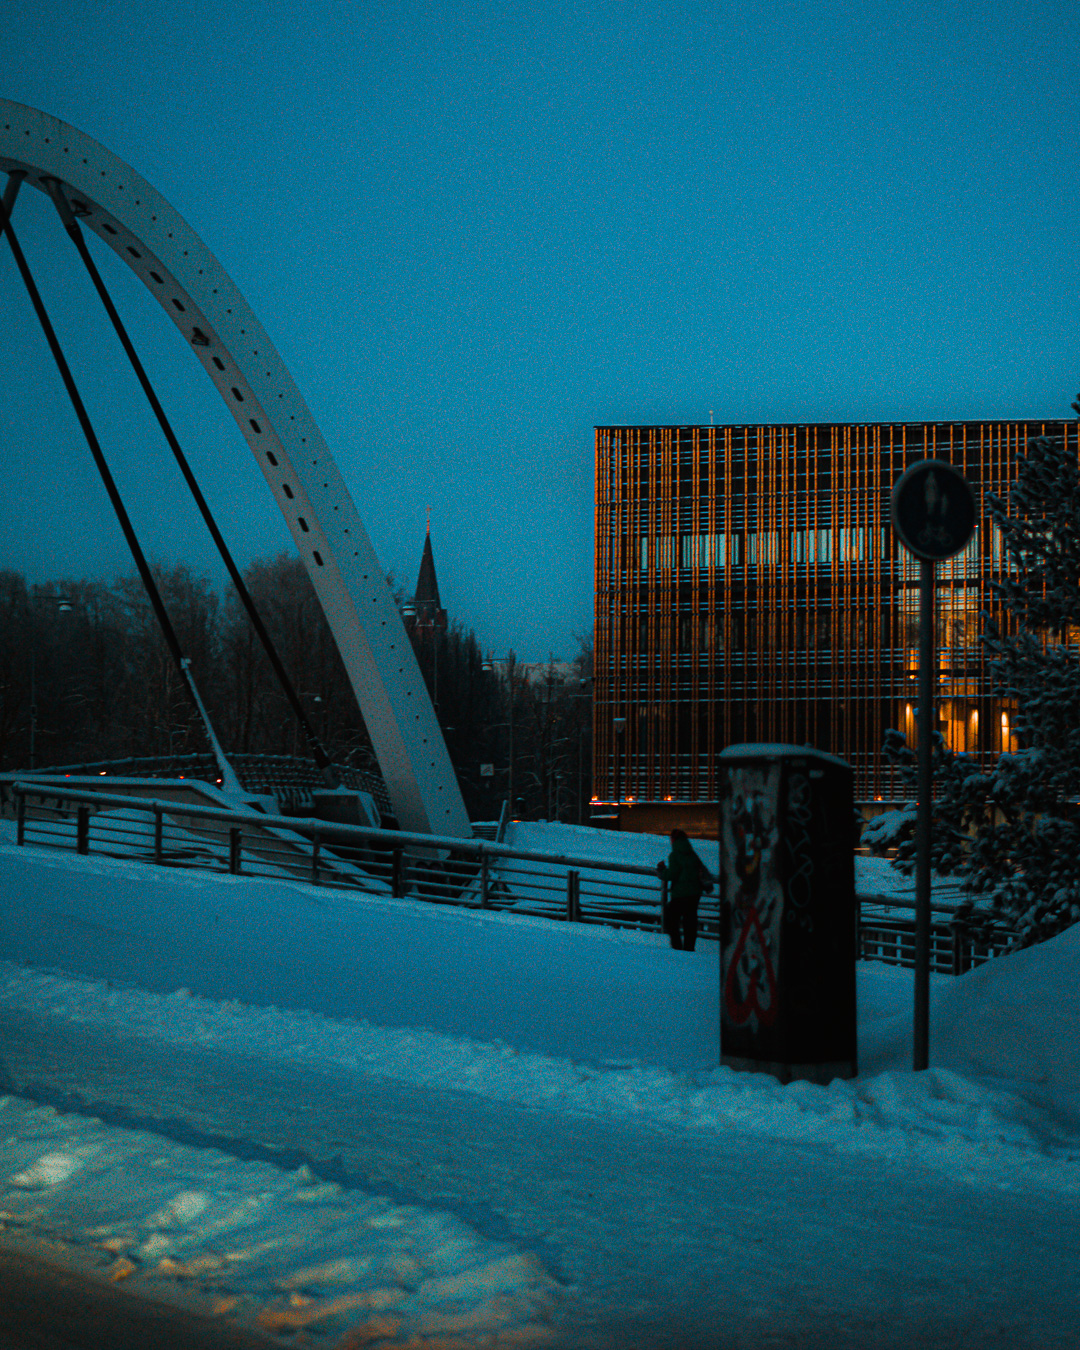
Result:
[[110, 199]]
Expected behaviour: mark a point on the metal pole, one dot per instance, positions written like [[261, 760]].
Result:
[[229, 781], [924, 827], [82, 830], [619, 724], [33, 687], [235, 846], [510, 721], [581, 774]]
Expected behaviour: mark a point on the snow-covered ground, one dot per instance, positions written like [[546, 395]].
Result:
[[356, 1120]]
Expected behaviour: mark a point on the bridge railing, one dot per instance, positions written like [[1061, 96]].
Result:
[[470, 872], [475, 873], [287, 777]]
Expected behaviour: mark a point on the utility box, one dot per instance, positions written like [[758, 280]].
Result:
[[787, 912]]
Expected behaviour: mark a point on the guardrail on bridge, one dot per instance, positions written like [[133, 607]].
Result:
[[476, 873]]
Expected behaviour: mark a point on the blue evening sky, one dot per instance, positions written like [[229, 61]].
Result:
[[476, 230]]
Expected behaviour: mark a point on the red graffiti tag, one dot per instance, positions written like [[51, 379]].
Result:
[[740, 1010]]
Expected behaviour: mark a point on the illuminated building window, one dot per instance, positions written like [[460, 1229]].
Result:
[[749, 588]]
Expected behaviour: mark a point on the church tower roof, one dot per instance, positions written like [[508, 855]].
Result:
[[429, 610]]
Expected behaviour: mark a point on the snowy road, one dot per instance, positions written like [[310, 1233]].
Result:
[[522, 1128], [660, 1237]]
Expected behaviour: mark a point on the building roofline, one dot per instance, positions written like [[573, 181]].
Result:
[[897, 422]]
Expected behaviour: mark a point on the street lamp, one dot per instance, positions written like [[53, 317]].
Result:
[[488, 665], [619, 725], [63, 606], [317, 708], [586, 685]]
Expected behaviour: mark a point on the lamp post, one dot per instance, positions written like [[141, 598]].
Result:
[[579, 698], [488, 665], [619, 726], [63, 606], [316, 709]]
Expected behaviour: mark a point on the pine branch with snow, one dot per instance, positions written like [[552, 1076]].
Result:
[[1013, 832]]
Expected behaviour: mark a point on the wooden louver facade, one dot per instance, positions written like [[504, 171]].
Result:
[[749, 588]]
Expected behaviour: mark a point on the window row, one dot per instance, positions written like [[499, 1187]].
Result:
[[771, 548], [958, 624]]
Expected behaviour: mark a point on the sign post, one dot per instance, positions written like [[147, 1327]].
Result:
[[933, 515]]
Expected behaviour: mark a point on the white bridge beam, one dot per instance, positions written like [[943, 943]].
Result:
[[181, 273]]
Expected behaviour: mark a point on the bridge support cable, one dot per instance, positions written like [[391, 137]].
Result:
[[75, 233], [129, 216], [228, 777], [7, 205]]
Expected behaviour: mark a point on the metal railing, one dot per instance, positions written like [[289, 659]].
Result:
[[475, 873], [953, 948], [960, 935], [470, 872]]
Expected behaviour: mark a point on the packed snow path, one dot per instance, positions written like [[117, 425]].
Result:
[[645, 1203], [658, 1236]]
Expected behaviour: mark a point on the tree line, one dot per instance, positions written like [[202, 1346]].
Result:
[[86, 677]]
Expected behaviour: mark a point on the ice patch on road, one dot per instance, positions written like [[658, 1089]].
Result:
[[280, 1250]]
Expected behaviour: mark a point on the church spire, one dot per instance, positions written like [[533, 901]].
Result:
[[429, 611]]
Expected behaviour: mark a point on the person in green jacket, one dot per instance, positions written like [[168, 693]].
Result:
[[684, 873]]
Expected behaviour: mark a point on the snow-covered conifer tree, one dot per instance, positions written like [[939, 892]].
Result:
[[1014, 832]]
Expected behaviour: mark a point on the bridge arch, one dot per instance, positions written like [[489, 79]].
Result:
[[164, 252]]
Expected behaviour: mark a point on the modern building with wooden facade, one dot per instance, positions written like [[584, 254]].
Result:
[[749, 587]]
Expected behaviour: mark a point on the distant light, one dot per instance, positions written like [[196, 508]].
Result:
[[101, 773]]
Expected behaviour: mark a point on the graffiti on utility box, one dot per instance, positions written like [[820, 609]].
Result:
[[787, 892]]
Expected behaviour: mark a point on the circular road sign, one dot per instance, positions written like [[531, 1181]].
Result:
[[933, 510]]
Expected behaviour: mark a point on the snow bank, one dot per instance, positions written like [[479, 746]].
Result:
[[119, 974], [589, 992], [346, 992], [951, 1122], [551, 1015], [1017, 1018]]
